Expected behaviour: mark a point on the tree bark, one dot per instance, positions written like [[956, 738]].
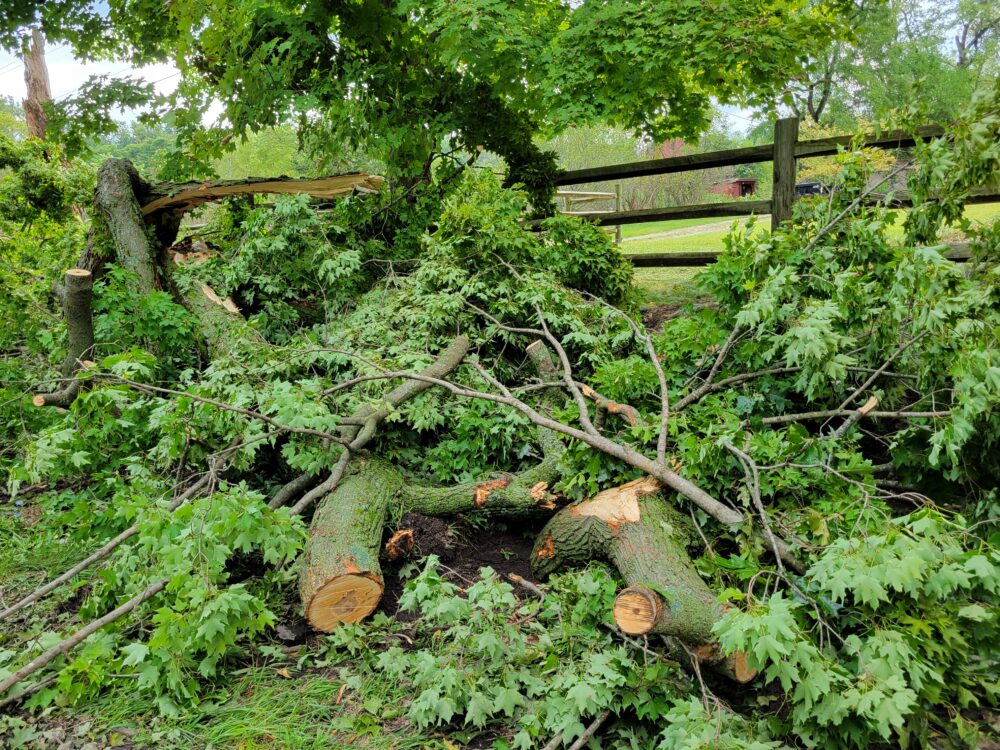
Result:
[[342, 579], [36, 81], [633, 528], [77, 295], [119, 224]]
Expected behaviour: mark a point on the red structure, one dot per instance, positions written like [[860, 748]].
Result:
[[737, 187]]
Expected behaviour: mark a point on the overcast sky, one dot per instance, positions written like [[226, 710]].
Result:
[[67, 74]]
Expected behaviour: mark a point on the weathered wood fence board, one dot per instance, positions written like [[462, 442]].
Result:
[[783, 153], [959, 253], [734, 156]]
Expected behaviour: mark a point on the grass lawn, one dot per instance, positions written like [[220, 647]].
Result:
[[713, 240], [663, 285], [637, 230]]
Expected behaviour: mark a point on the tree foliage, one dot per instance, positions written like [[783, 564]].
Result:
[[400, 77]]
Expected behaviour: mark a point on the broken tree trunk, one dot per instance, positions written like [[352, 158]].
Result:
[[341, 581], [220, 324], [342, 578], [118, 222], [36, 83], [77, 295], [524, 494], [180, 197], [642, 536]]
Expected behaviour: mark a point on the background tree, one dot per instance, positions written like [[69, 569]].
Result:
[[931, 56]]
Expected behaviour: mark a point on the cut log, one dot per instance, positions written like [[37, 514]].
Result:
[[637, 531], [342, 580], [182, 197], [524, 494], [77, 296]]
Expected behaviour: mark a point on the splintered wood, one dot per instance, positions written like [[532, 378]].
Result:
[[185, 196]]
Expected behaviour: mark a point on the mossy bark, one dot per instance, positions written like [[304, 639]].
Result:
[[341, 579], [119, 218], [633, 528], [525, 494]]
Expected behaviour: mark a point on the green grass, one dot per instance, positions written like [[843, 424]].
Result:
[[259, 709], [713, 240], [663, 286], [637, 230], [675, 285]]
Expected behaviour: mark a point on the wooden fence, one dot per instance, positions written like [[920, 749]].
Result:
[[784, 152]]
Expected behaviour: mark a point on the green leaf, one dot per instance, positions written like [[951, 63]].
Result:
[[135, 653]]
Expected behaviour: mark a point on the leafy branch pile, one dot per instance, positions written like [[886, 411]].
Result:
[[816, 453]]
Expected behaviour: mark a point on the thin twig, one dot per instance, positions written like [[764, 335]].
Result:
[[753, 486], [590, 730], [82, 634]]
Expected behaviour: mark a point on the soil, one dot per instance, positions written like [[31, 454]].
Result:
[[654, 316], [463, 549]]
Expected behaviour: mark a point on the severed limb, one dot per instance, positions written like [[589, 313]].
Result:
[[342, 579], [215, 466], [80, 635], [642, 536], [77, 296]]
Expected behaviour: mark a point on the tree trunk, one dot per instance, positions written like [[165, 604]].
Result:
[[342, 579], [220, 324], [179, 197], [77, 295], [346, 532], [36, 81], [633, 528], [120, 233], [525, 494]]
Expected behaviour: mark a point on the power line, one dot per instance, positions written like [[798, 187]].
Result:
[[73, 91], [115, 76]]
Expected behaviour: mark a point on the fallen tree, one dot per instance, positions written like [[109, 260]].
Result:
[[542, 404]]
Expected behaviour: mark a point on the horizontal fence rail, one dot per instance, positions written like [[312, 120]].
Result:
[[699, 211], [959, 253], [734, 156], [783, 153]]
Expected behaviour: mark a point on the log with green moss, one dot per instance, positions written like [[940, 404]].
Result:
[[341, 579], [634, 529]]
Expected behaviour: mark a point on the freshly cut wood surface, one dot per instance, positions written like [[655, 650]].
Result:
[[637, 609], [187, 195]]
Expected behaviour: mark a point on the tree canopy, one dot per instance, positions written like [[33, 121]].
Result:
[[403, 76]]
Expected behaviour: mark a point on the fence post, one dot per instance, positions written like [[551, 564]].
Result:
[[786, 134], [618, 208]]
